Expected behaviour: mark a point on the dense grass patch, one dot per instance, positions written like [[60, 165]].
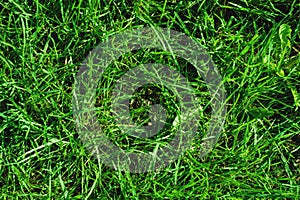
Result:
[[255, 46]]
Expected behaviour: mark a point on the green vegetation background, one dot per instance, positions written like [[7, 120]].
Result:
[[255, 45]]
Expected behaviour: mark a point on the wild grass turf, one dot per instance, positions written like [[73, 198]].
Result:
[[255, 45]]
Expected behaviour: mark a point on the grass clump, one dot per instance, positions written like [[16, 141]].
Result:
[[255, 46]]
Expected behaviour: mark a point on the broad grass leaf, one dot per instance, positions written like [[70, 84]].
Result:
[[259, 112], [285, 32]]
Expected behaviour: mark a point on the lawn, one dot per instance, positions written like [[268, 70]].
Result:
[[255, 46]]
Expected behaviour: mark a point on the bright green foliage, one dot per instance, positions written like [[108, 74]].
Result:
[[256, 47]]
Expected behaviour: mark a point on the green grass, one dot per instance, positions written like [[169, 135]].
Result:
[[256, 47]]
